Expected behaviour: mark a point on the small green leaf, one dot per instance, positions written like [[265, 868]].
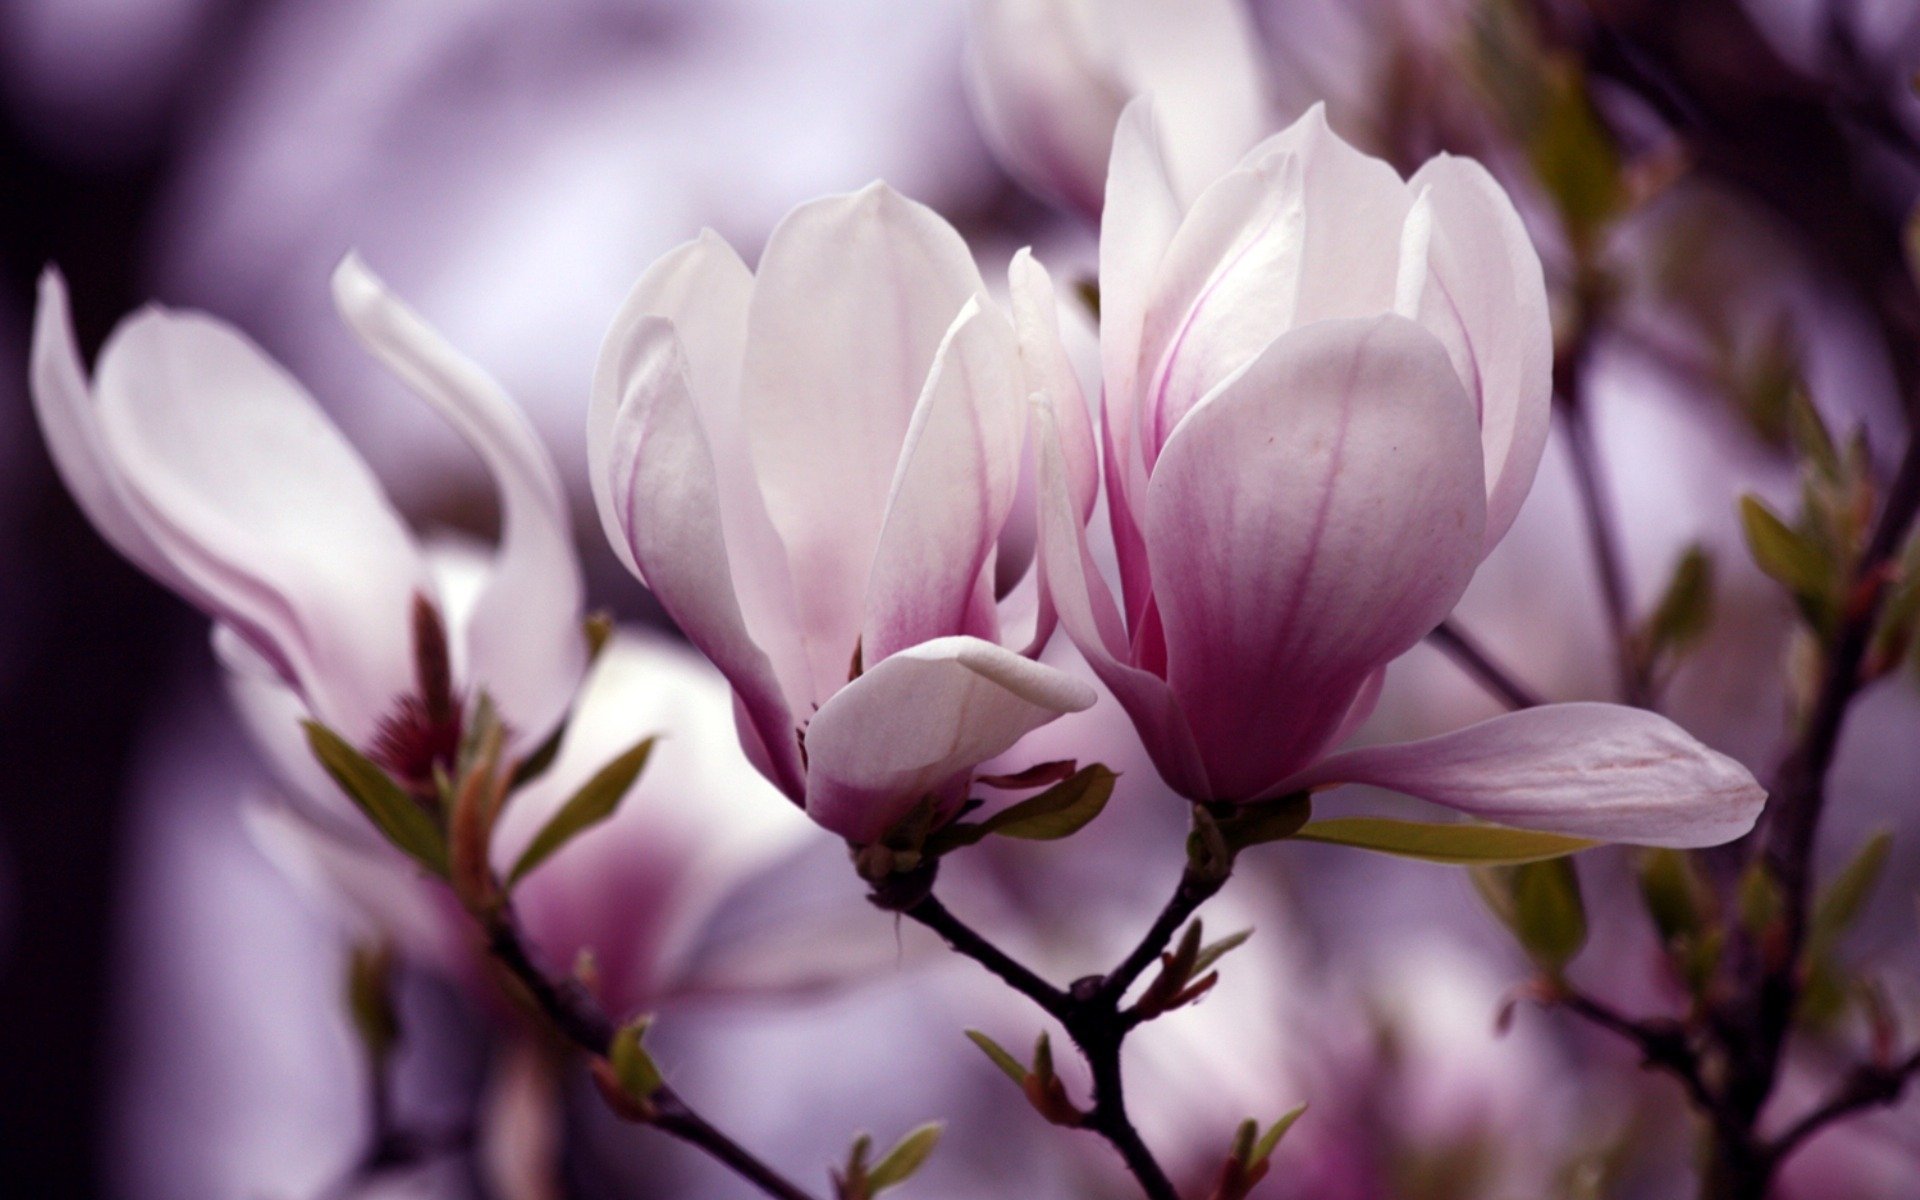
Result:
[[1761, 902], [1011, 1066], [393, 812], [1457, 844], [1810, 434], [1843, 900], [638, 1074], [1573, 155], [536, 764], [369, 995], [1088, 289], [1787, 557], [1265, 821], [593, 803], [907, 1156], [1672, 892], [1061, 810], [1214, 951], [1549, 917], [1270, 1140], [1685, 610]]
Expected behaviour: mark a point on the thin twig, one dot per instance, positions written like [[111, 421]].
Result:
[[1464, 650], [1869, 1086], [579, 1017]]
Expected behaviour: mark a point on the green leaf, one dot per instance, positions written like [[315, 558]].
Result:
[[1787, 557], [369, 995], [1265, 821], [393, 812], [1672, 892], [593, 803], [1011, 1066], [1686, 609], [1811, 436], [907, 1156], [1761, 901], [1549, 917], [1264, 1149], [1213, 952], [1573, 154], [638, 1074], [1843, 900], [534, 765], [1061, 810], [1458, 844]]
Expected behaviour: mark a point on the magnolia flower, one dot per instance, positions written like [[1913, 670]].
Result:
[[212, 470], [1049, 78], [1326, 396], [638, 892], [811, 468]]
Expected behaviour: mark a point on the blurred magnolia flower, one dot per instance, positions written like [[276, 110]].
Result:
[[812, 467], [638, 892], [1326, 396], [202, 462], [1049, 79]]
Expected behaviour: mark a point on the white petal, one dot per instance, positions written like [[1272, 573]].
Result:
[[524, 642], [1588, 770], [916, 724]]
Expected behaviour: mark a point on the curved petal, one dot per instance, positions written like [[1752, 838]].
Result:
[[1309, 522], [665, 496], [1087, 612], [957, 476], [1484, 297], [523, 638], [916, 724], [1200, 61], [853, 297], [1588, 770], [1355, 206], [255, 497]]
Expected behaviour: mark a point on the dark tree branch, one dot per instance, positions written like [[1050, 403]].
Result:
[[1090, 1011], [1464, 650], [579, 1018], [1869, 1086]]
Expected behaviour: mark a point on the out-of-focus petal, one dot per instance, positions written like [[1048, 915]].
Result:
[[1309, 522], [524, 643], [1050, 374], [853, 296], [955, 486], [255, 497], [1588, 770], [1482, 294], [665, 497], [1087, 612], [916, 724]]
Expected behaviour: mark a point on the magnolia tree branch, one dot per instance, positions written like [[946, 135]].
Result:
[[1092, 1011], [575, 1014], [1466, 651]]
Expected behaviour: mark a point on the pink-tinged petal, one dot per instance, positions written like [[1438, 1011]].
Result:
[[271, 712], [666, 502], [1309, 522], [1587, 770], [524, 644], [1201, 62], [1355, 206], [916, 724], [957, 476], [1484, 296], [704, 289], [253, 495], [1229, 285], [1046, 98], [1086, 611], [854, 295], [1141, 217]]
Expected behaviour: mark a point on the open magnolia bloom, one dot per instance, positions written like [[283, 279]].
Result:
[[812, 467], [638, 892], [208, 467], [1049, 79], [1327, 393]]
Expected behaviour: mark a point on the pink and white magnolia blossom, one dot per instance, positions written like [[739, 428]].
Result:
[[1326, 394], [215, 472], [811, 467], [1049, 79]]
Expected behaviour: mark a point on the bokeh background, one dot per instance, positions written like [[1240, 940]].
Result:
[[169, 1015]]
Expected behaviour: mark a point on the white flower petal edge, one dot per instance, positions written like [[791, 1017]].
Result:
[[916, 725], [1587, 770]]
